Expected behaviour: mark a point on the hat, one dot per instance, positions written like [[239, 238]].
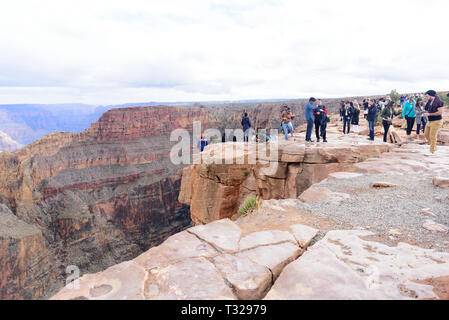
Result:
[[431, 93]]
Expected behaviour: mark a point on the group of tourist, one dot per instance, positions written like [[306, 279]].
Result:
[[428, 118]]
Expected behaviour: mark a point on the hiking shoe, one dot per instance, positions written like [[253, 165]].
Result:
[[325, 141]]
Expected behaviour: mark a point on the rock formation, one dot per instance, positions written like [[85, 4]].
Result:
[[217, 190], [342, 239]]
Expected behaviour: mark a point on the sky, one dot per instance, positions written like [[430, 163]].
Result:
[[112, 52]]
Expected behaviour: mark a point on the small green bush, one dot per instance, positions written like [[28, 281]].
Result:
[[249, 206]]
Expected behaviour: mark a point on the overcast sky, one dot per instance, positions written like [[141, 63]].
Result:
[[111, 52]]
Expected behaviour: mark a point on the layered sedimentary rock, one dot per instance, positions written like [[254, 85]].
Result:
[[92, 199], [102, 196], [216, 190]]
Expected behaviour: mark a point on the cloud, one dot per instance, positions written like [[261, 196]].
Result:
[[109, 52]]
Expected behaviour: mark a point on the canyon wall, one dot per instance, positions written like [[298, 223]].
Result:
[[96, 198]]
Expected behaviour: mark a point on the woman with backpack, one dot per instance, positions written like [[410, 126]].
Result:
[[356, 117], [421, 121], [408, 113]]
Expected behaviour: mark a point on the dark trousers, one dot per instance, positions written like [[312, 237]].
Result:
[[346, 124], [323, 128], [386, 125], [410, 123], [371, 129], [309, 129], [317, 127]]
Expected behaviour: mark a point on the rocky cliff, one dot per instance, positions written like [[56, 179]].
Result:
[[96, 198], [356, 235], [91, 199]]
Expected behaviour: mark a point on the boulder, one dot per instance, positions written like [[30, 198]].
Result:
[[434, 227], [442, 182]]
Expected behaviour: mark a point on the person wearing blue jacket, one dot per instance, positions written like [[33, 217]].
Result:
[[310, 118], [408, 113]]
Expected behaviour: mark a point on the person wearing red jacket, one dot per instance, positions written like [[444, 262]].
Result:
[[320, 121]]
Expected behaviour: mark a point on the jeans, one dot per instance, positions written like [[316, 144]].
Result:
[[386, 125], [418, 126], [346, 124], [371, 129], [431, 133], [309, 129], [287, 127], [410, 123]]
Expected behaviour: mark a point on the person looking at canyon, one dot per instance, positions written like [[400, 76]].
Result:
[[434, 112], [421, 121], [287, 118], [310, 118], [387, 115], [320, 115], [246, 124], [408, 113]]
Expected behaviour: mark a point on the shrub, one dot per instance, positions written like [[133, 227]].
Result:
[[250, 205]]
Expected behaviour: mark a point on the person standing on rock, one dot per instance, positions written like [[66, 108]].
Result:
[[371, 117], [310, 118], [356, 117], [434, 112], [387, 115], [408, 113], [246, 124], [320, 115], [346, 114], [287, 118], [421, 121]]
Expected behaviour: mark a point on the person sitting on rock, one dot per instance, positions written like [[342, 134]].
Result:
[[287, 118]]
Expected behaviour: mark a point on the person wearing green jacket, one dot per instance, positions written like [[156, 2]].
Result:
[[408, 113], [387, 115]]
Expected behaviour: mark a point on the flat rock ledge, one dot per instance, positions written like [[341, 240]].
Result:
[[206, 262]]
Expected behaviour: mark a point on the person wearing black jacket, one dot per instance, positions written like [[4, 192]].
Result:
[[372, 116], [346, 114], [320, 121], [246, 124]]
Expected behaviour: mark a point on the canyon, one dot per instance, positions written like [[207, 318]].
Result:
[[99, 199], [86, 201], [353, 233]]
